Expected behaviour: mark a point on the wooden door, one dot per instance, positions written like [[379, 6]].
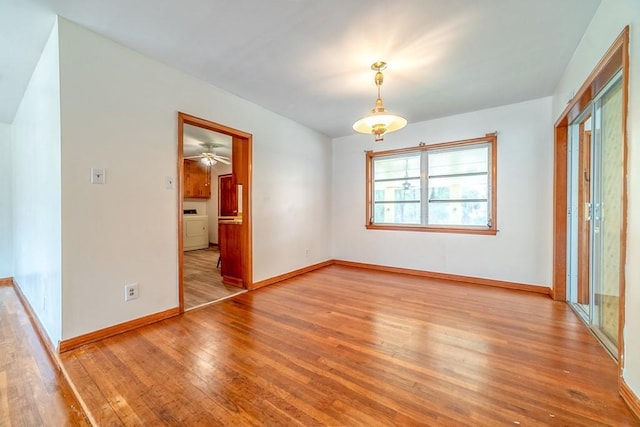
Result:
[[228, 196], [584, 214]]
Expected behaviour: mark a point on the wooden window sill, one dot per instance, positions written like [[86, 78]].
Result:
[[397, 227]]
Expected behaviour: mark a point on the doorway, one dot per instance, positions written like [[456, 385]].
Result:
[[205, 151], [595, 215]]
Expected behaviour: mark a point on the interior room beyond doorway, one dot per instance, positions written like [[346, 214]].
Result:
[[207, 156]]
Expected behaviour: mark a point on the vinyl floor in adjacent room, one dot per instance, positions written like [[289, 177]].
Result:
[[346, 346], [202, 280]]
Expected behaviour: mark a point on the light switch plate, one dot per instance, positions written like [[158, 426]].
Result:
[[97, 176], [169, 182]]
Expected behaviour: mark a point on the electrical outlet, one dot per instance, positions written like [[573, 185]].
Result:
[[306, 252], [130, 291]]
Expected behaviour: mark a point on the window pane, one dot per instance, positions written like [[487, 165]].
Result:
[[446, 185], [396, 167], [406, 189], [458, 161], [458, 187], [397, 213], [458, 213]]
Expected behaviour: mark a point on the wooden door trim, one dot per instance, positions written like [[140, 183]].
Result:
[[247, 248], [615, 59], [559, 278]]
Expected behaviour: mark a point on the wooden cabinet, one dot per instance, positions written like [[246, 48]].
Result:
[[197, 180], [233, 234], [230, 241]]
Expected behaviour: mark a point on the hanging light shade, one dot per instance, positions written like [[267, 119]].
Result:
[[379, 121]]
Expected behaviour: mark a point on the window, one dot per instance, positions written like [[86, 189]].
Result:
[[448, 187]]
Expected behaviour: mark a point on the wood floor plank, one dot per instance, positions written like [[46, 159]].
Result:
[[347, 346], [101, 412], [33, 391], [270, 382]]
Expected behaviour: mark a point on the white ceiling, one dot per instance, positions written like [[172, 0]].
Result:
[[309, 59]]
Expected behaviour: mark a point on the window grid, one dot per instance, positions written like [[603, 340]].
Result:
[[473, 203]]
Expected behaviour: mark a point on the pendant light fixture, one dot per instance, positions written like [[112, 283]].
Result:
[[379, 121]]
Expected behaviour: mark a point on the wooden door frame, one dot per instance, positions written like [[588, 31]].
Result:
[[243, 164], [614, 60]]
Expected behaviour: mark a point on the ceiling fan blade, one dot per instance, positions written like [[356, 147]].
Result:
[[193, 157], [223, 160]]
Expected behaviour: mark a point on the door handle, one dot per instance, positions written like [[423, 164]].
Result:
[[588, 209]]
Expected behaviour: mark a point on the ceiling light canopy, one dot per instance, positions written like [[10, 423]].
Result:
[[379, 121]]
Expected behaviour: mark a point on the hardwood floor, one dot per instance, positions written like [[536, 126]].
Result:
[[32, 390], [202, 280], [346, 346]]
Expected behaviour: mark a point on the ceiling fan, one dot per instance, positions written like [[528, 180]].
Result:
[[209, 157]]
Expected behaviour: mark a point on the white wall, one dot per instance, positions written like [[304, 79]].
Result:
[[608, 22], [520, 252], [291, 199], [119, 111], [36, 191], [6, 222]]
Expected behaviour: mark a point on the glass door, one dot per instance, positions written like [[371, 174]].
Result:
[[595, 213], [607, 212]]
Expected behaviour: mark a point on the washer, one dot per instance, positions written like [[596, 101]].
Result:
[[195, 232]]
